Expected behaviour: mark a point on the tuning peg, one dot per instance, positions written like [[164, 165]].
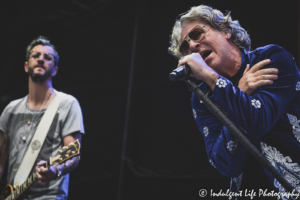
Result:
[[78, 157]]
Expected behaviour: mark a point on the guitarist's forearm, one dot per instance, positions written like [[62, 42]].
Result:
[[69, 165], [4, 144], [63, 162]]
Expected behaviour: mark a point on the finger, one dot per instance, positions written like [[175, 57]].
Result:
[[43, 177], [44, 170], [267, 71], [247, 69], [259, 65], [262, 83], [42, 162], [182, 61], [189, 58], [267, 77], [39, 176], [39, 170]]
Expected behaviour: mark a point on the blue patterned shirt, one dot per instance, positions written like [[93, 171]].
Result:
[[268, 118]]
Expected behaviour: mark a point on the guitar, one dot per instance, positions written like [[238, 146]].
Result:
[[61, 156]]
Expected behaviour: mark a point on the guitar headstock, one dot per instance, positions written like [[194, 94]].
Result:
[[65, 153]]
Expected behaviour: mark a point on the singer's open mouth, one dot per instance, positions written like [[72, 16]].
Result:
[[205, 54]]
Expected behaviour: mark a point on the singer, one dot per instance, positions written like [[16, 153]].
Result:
[[258, 90]]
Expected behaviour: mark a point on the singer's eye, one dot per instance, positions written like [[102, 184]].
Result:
[[196, 35]]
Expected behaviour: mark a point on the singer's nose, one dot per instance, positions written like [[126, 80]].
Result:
[[194, 46]]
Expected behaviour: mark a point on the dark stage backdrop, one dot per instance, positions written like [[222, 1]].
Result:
[[114, 60]]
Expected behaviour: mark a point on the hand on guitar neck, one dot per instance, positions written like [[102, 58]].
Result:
[[45, 174], [65, 160]]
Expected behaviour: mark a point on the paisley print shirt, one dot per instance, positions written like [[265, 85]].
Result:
[[270, 119]]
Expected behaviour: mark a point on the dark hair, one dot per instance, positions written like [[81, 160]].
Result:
[[41, 40]]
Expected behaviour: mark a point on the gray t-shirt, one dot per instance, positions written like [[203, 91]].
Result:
[[14, 121]]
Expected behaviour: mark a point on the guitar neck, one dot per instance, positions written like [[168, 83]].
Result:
[[24, 186], [61, 156]]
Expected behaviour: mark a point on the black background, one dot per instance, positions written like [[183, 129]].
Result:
[[114, 60]]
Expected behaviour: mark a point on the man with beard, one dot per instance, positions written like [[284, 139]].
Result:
[[217, 50], [21, 117]]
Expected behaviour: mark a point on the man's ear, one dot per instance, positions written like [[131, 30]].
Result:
[[54, 71], [228, 36], [26, 67], [228, 32]]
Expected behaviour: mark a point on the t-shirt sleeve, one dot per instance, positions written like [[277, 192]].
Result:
[[4, 120], [74, 120]]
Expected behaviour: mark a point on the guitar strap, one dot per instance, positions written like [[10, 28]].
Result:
[[37, 141]]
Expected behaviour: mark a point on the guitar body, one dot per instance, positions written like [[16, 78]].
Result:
[[6, 192]]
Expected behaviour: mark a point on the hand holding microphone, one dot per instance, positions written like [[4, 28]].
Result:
[[181, 73], [194, 65]]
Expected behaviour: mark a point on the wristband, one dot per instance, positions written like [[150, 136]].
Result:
[[59, 173]]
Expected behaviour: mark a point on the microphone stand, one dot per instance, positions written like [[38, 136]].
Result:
[[182, 74]]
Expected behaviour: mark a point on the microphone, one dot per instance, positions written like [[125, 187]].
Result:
[[181, 73]]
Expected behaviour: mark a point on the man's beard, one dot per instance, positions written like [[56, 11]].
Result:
[[39, 78]]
